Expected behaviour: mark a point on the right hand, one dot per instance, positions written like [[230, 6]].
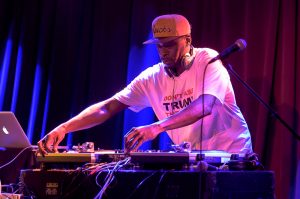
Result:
[[138, 135], [50, 142]]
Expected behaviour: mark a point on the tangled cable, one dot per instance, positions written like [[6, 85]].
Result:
[[111, 167]]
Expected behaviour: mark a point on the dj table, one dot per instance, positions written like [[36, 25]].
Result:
[[149, 184], [146, 175]]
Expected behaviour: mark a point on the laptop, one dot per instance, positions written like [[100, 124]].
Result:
[[11, 132]]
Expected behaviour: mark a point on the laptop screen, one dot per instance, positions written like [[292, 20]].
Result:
[[11, 132]]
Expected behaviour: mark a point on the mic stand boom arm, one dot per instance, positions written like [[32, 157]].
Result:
[[269, 108]]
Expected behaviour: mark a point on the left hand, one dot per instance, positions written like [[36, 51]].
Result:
[[138, 135]]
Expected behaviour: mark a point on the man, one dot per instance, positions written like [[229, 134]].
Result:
[[193, 100]]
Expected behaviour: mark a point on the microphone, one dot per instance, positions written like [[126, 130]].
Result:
[[239, 45]]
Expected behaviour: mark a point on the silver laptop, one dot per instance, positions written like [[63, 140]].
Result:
[[11, 132]]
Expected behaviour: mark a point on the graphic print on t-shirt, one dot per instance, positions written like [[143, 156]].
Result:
[[173, 104]]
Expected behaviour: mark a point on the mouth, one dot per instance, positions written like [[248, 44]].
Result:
[[166, 61]]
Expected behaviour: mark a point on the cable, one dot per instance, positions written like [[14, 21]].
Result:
[[74, 185], [111, 168], [15, 157], [202, 96], [159, 182], [22, 188], [141, 183]]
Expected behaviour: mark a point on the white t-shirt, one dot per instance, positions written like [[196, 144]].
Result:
[[224, 129]]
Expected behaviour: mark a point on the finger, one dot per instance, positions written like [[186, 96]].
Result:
[[135, 143], [55, 145], [55, 148], [134, 140], [129, 143], [48, 143], [129, 134], [131, 138], [41, 148], [139, 142]]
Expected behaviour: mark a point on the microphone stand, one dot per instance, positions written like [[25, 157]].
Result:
[[269, 108]]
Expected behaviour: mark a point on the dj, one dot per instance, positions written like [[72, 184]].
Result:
[[193, 100]]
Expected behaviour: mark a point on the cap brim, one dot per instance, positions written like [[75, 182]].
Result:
[[160, 40]]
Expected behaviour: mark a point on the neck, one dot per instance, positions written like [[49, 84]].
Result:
[[180, 66], [179, 69]]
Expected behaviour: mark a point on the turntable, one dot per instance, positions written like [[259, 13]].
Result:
[[74, 159], [179, 160]]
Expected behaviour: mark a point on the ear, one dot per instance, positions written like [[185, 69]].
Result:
[[188, 40]]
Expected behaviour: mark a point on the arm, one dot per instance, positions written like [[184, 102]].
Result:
[[192, 113], [91, 116]]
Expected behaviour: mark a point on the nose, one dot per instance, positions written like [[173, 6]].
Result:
[[163, 52]]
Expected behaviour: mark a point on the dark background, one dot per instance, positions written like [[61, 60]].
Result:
[[59, 56]]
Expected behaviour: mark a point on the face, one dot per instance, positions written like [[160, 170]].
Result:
[[171, 52]]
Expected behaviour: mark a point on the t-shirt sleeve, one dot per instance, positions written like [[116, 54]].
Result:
[[134, 94], [216, 77]]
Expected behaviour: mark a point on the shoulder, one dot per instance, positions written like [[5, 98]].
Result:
[[151, 71], [205, 53], [202, 58]]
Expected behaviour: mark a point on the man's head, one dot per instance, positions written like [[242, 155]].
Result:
[[172, 36]]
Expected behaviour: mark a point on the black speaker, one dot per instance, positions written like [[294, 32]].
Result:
[[239, 184]]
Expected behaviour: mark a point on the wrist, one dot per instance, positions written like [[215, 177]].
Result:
[[160, 127], [63, 128]]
